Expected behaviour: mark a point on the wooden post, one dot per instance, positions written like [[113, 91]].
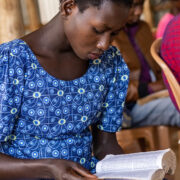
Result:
[[11, 20], [148, 14], [33, 15]]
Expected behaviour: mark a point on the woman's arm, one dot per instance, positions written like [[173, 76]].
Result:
[[18, 168], [104, 143], [58, 169]]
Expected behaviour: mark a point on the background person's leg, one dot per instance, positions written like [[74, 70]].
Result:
[[157, 112]]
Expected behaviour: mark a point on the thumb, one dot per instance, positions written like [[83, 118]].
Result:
[[84, 172]]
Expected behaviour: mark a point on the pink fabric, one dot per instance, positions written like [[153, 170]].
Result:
[[162, 24], [170, 50]]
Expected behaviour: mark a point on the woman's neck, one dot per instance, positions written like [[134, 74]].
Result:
[[50, 39]]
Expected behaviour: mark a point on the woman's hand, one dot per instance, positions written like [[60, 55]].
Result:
[[68, 170]]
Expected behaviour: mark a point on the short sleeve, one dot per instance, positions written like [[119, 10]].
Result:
[[111, 118], [11, 88]]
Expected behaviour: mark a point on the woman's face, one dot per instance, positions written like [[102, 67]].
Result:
[[91, 32], [136, 11]]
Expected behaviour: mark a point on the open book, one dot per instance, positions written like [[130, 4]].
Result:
[[152, 165]]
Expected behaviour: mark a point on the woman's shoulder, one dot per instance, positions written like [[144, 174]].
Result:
[[13, 50], [14, 44], [15, 56]]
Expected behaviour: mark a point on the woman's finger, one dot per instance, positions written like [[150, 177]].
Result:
[[73, 175], [84, 172]]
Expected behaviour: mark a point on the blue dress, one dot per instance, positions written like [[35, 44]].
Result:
[[45, 117]]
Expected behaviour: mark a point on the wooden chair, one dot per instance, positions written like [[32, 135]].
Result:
[[174, 85], [156, 137], [131, 139], [148, 138], [148, 14]]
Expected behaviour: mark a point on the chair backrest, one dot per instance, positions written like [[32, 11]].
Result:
[[174, 85]]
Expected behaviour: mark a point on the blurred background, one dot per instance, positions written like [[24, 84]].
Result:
[[18, 17]]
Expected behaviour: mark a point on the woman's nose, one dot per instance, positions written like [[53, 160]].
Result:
[[104, 42]]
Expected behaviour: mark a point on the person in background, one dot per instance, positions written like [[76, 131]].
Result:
[[54, 84], [174, 10], [134, 43], [170, 50]]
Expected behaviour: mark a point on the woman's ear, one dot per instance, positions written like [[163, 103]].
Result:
[[67, 7]]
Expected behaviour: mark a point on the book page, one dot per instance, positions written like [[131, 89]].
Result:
[[133, 162], [169, 162], [151, 174]]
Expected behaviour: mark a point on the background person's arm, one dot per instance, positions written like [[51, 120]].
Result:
[[139, 90], [157, 86]]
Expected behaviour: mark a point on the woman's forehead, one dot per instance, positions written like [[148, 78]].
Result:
[[108, 10], [109, 14]]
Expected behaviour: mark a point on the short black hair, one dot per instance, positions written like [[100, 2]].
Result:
[[84, 4]]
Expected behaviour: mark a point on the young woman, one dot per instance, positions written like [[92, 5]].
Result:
[[54, 84]]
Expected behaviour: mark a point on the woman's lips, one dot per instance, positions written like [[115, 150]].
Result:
[[94, 56]]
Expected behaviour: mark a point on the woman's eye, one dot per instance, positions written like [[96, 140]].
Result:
[[97, 31]]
